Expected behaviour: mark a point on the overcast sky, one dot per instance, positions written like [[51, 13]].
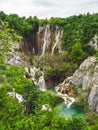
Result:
[[48, 8]]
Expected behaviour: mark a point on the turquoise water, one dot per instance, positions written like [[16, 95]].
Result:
[[63, 111]]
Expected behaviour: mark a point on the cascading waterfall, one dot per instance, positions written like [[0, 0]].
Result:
[[46, 39], [58, 36], [39, 79], [72, 101], [33, 72], [67, 99], [41, 82], [16, 95], [67, 109]]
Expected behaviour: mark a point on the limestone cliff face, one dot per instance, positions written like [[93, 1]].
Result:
[[46, 39], [87, 77], [16, 56]]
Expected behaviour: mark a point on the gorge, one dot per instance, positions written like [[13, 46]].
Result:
[[49, 42]]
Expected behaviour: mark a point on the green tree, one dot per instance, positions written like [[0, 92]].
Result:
[[30, 95], [2, 15], [77, 53], [76, 123], [10, 109]]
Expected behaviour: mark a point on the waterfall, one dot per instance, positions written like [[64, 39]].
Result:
[[33, 51], [41, 82], [37, 77], [67, 99], [58, 36], [46, 39], [33, 72], [16, 95], [71, 102], [57, 40]]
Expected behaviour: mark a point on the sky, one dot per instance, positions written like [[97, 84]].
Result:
[[48, 8]]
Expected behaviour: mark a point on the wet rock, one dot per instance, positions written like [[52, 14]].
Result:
[[65, 89]]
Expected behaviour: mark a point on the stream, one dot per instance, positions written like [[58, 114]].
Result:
[[66, 109]]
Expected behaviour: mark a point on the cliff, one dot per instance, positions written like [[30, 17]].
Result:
[[46, 39], [87, 77]]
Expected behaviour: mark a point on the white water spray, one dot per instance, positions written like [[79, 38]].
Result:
[[58, 36], [39, 79], [46, 39], [41, 82], [16, 95]]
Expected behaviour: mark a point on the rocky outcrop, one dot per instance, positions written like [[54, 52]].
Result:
[[93, 98], [65, 89], [16, 56], [84, 75], [94, 42], [87, 77]]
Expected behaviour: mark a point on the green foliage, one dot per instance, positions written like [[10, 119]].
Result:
[[56, 21], [10, 109], [92, 118], [2, 15], [76, 123], [96, 55], [7, 37], [30, 95], [78, 28], [89, 50], [77, 53], [55, 64], [48, 98], [25, 123]]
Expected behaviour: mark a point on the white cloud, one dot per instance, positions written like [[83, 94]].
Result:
[[48, 8]]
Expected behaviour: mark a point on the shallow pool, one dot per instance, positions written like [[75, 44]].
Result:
[[64, 111]]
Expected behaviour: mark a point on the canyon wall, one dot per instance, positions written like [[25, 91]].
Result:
[[85, 80], [47, 39]]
